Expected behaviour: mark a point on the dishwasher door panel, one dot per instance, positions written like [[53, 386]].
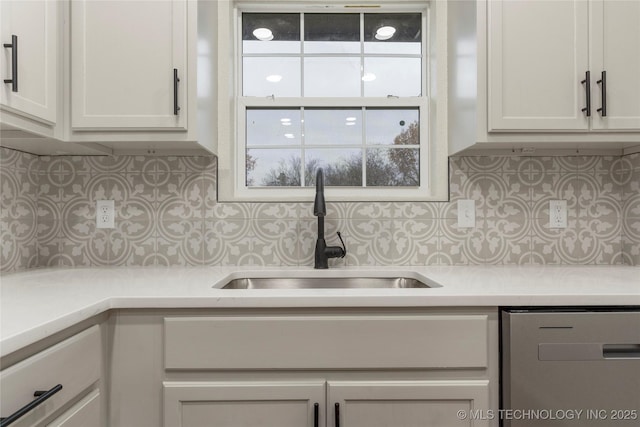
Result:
[[579, 368]]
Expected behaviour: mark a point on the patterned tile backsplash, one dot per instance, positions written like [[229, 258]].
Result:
[[18, 210], [167, 214]]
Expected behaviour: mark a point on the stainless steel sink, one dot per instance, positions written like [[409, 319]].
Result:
[[327, 283]]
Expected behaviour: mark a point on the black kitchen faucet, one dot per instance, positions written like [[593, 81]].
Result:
[[324, 252]]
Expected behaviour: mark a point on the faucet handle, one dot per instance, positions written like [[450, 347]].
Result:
[[335, 251], [344, 247]]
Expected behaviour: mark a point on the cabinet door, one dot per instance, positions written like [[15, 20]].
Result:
[[123, 56], [85, 413], [537, 58], [408, 403], [248, 404], [615, 48], [35, 23]]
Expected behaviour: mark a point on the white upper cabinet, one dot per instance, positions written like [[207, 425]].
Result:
[[540, 53], [33, 27], [129, 65], [615, 51], [538, 56]]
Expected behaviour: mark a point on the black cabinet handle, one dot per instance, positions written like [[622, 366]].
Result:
[[316, 415], [14, 63], [337, 414], [41, 397], [176, 80], [603, 91], [587, 83]]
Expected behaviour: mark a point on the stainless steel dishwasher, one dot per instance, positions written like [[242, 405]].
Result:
[[570, 367]]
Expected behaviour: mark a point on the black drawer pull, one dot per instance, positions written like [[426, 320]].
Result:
[[41, 397], [603, 91], [337, 413], [14, 63], [316, 415], [587, 86], [176, 80]]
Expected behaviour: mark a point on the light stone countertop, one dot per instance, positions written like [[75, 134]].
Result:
[[38, 303]]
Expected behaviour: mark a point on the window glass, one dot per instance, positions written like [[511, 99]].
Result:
[[393, 126], [393, 167], [394, 33], [332, 127], [332, 33], [332, 77], [273, 167], [390, 64], [286, 146], [341, 168], [271, 76], [392, 76], [269, 33], [273, 127]]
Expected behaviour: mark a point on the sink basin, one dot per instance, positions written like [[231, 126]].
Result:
[[327, 283]]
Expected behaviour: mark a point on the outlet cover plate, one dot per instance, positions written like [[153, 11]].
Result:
[[466, 213], [105, 214], [557, 214]]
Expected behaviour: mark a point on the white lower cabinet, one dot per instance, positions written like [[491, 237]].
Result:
[[69, 371], [406, 403], [230, 404], [399, 367], [347, 403]]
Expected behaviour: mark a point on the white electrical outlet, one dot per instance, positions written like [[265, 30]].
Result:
[[105, 214], [466, 213], [557, 214]]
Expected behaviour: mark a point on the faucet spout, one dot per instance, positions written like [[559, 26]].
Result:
[[319, 205]]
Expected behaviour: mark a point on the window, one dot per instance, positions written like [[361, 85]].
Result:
[[346, 91]]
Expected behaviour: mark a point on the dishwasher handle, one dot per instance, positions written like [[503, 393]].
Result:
[[621, 351], [587, 351]]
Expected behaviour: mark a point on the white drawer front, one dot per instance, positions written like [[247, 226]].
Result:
[[85, 413], [75, 363], [326, 342]]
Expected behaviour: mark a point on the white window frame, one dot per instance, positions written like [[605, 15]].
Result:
[[231, 109]]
